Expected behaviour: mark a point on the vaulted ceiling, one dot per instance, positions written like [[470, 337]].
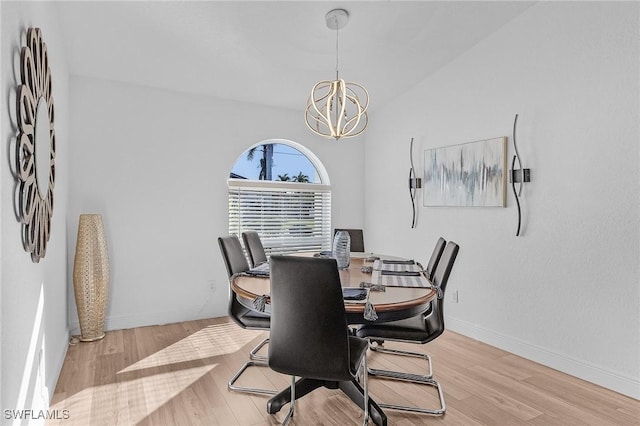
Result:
[[272, 52]]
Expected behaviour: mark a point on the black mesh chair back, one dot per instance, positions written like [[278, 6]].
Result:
[[232, 254], [433, 263], [435, 320], [309, 332], [240, 309], [435, 257], [254, 247], [356, 236], [240, 312]]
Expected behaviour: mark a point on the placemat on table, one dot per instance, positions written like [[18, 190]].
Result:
[[399, 280], [379, 265]]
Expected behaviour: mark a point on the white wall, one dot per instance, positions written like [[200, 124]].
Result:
[[155, 164], [565, 293], [33, 296]]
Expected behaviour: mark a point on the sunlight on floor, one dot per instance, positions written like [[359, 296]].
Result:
[[137, 391], [130, 401], [214, 340]]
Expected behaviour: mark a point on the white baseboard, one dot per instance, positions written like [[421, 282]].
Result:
[[149, 318], [611, 380]]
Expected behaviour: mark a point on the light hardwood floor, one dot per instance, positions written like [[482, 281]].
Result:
[[177, 374]]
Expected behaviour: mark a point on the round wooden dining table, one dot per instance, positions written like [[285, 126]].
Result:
[[394, 303]]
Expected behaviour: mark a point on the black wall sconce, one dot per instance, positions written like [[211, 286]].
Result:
[[415, 183], [518, 176]]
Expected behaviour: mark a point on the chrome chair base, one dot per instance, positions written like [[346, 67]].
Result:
[[430, 411], [362, 372], [231, 385], [399, 375], [255, 361], [253, 355], [292, 405], [421, 379]]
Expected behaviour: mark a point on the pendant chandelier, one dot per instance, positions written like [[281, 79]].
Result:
[[337, 109]]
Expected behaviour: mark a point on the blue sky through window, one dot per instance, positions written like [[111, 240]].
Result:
[[286, 160]]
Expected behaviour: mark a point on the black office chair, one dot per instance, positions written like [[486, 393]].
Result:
[[240, 311], [309, 334], [421, 329], [429, 272], [435, 257], [356, 236], [254, 247]]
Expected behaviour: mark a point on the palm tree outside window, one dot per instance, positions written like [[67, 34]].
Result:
[[280, 189]]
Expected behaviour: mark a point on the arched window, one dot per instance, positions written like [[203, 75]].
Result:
[[281, 190]]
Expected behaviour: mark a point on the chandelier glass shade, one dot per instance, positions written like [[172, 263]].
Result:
[[335, 108]]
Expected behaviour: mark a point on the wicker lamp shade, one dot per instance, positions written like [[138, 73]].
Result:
[[91, 277]]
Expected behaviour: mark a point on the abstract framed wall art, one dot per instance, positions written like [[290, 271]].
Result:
[[471, 174]]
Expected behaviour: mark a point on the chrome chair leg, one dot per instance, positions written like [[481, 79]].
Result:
[[434, 412], [253, 355], [231, 385], [292, 404], [365, 385], [411, 377]]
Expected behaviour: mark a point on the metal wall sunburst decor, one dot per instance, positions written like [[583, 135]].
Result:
[[35, 146]]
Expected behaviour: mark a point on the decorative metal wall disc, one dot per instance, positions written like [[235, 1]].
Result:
[[35, 146]]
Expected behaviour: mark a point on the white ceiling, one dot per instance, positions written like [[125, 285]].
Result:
[[272, 52]]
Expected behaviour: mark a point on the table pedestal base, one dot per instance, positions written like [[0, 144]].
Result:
[[352, 389]]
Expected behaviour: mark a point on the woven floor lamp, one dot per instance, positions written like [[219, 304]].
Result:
[[91, 277]]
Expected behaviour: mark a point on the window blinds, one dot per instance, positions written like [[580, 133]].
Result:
[[288, 216]]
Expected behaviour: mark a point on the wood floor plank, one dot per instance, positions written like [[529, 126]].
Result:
[[109, 395], [535, 397], [600, 406], [453, 417], [113, 343], [514, 371], [499, 398], [177, 374], [478, 409]]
